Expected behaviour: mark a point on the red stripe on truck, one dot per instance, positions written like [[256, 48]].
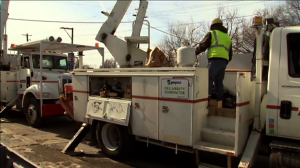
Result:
[[167, 99], [80, 91], [45, 81], [243, 104], [278, 107]]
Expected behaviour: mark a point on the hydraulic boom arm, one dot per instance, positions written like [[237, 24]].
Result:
[[126, 52], [4, 16]]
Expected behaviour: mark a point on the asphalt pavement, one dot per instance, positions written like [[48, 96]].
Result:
[[43, 146]]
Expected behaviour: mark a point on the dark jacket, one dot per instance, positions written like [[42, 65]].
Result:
[[206, 41]]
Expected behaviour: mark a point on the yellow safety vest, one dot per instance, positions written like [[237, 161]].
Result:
[[220, 45]]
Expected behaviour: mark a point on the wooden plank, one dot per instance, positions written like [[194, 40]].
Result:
[[224, 112], [237, 70]]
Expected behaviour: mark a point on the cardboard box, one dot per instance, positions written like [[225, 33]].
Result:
[[212, 111], [215, 103], [127, 96], [224, 112]]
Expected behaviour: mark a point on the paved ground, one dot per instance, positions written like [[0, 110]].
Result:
[[43, 147]]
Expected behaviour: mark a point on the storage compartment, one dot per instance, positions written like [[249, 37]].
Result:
[[144, 115], [110, 99], [111, 87], [8, 86]]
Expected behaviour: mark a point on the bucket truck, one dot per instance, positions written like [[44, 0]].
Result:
[[32, 88], [170, 106]]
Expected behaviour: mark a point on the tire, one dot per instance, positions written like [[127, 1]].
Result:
[[33, 113], [115, 147]]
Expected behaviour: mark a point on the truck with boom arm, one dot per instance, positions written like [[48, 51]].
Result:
[[30, 79], [170, 106]]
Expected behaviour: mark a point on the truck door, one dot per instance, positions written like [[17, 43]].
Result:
[[289, 84], [24, 74]]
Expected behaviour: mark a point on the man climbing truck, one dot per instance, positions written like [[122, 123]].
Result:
[[266, 107], [219, 46]]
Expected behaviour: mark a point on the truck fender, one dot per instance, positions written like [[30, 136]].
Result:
[[33, 89], [27, 94]]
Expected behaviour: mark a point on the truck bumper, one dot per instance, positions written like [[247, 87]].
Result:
[[52, 110]]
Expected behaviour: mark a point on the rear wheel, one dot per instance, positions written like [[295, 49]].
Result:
[[114, 140], [33, 113]]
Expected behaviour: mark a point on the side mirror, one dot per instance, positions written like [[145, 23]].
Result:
[[31, 73]]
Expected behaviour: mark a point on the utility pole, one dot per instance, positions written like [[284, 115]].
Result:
[[72, 34], [27, 35]]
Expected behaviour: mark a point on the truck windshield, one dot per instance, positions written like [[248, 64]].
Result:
[[50, 62]]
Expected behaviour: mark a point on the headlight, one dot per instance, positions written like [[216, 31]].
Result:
[[47, 95]]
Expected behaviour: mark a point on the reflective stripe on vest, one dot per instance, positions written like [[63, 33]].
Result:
[[217, 50], [217, 42]]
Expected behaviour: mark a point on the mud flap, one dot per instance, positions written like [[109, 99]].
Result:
[[77, 138]]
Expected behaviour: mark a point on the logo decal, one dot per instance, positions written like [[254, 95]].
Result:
[[173, 82]]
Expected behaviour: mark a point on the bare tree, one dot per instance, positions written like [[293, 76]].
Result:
[[178, 33], [287, 14], [110, 63], [239, 29]]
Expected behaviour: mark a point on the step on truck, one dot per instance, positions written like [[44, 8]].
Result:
[[170, 107]]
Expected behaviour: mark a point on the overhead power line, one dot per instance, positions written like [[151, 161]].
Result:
[[157, 28], [55, 21], [197, 10]]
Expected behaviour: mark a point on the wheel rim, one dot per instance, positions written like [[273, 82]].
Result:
[[110, 136], [32, 113]]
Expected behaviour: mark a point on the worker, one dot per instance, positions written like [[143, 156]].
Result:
[[219, 46]]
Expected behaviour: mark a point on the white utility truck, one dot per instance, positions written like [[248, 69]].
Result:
[[169, 106], [34, 89]]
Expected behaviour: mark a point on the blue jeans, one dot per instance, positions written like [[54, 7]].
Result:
[[216, 74]]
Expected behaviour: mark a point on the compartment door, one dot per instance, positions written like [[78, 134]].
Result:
[[144, 117], [175, 110], [80, 96], [109, 110]]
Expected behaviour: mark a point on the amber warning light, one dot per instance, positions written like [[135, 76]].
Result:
[[96, 44], [257, 21]]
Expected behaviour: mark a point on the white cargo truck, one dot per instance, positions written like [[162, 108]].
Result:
[[170, 107], [32, 88]]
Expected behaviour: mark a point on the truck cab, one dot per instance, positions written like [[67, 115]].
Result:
[[282, 113], [54, 64]]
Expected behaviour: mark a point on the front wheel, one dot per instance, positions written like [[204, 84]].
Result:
[[33, 113], [114, 140]]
